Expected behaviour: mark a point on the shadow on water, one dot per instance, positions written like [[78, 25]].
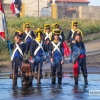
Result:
[[46, 91]]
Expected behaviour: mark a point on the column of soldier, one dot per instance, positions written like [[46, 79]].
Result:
[[49, 46]]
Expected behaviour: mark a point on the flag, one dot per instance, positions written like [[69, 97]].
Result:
[[2, 22], [12, 7]]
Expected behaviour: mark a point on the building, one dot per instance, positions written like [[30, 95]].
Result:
[[32, 7], [68, 8], [70, 3]]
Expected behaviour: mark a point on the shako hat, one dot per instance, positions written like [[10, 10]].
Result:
[[56, 32], [38, 31], [27, 25], [56, 25], [47, 26], [74, 23]]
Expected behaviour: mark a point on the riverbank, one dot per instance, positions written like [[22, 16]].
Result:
[[93, 60]]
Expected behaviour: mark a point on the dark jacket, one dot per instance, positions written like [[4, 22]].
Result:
[[28, 39], [13, 47], [56, 53], [78, 49], [69, 38], [34, 46]]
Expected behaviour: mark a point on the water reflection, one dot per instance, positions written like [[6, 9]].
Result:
[[46, 91]]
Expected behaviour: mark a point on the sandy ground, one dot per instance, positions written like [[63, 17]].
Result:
[[93, 60]]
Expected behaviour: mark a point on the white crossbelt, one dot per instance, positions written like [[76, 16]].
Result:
[[38, 48], [60, 36], [72, 33], [48, 35], [56, 47], [28, 34], [17, 48]]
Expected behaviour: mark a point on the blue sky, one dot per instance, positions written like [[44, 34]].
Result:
[[95, 2]]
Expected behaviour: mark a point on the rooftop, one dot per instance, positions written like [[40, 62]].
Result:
[[71, 1]]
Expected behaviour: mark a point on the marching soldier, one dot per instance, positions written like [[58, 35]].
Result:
[[79, 58], [62, 39], [28, 36], [47, 40], [56, 56], [71, 36], [18, 52], [36, 52], [61, 36], [47, 36]]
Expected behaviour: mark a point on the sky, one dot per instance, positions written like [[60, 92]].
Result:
[[94, 2]]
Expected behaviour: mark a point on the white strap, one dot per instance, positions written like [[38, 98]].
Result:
[[17, 48], [48, 35], [60, 36], [56, 47], [39, 47], [28, 34], [72, 33]]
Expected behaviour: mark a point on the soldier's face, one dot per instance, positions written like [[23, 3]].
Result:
[[75, 27], [56, 37], [16, 39], [47, 30], [77, 38], [20, 33], [27, 29]]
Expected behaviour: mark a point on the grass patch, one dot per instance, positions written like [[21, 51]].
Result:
[[87, 27]]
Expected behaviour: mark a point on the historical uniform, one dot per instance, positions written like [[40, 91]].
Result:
[[28, 36], [56, 54], [18, 48], [19, 33], [46, 40], [71, 36], [79, 59], [37, 51], [61, 36], [62, 39]]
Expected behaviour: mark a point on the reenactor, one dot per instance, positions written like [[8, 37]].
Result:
[[74, 30], [37, 52], [18, 48], [62, 39], [79, 59], [20, 33], [61, 36], [47, 39], [28, 37], [47, 36], [56, 56]]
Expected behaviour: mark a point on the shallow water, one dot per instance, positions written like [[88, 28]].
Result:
[[46, 91]]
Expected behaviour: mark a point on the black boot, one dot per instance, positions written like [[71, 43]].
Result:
[[85, 80], [76, 80], [53, 80], [59, 80]]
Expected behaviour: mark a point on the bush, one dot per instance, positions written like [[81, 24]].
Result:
[[87, 26]]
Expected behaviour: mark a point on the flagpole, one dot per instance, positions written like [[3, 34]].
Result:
[[6, 29]]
